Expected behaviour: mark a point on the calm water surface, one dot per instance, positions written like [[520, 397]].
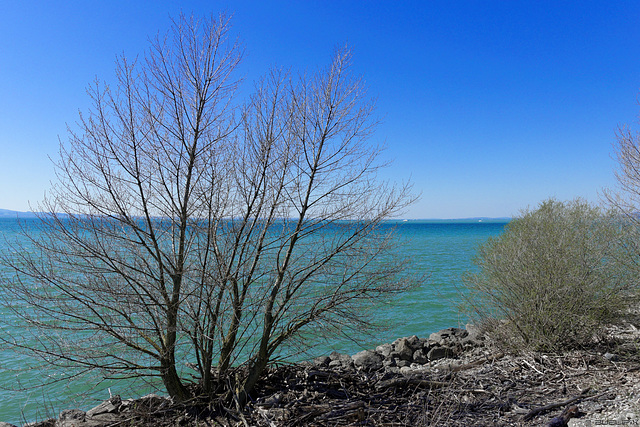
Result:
[[444, 249]]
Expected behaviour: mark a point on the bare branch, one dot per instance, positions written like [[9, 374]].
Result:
[[188, 229]]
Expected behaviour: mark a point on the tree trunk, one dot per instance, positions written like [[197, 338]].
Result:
[[172, 382], [255, 372]]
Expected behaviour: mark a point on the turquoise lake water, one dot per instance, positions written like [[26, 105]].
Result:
[[443, 249]]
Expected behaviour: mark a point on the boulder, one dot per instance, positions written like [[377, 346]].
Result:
[[402, 363], [448, 336], [473, 331], [439, 353], [71, 418], [339, 360], [402, 349], [367, 360], [338, 356], [389, 362], [106, 407], [154, 401], [446, 343], [321, 362], [420, 357], [384, 350], [413, 341]]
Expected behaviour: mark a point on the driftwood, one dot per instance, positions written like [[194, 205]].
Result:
[[533, 413], [562, 420], [495, 390], [484, 389]]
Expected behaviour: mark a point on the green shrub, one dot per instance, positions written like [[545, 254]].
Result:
[[553, 278]]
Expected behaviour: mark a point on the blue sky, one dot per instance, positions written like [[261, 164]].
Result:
[[487, 106]]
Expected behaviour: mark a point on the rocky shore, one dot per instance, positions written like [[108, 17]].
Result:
[[455, 377]]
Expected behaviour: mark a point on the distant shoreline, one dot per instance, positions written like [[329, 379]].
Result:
[[8, 213]]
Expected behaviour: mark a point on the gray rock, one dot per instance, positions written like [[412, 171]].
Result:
[[367, 360], [339, 356], [428, 345], [102, 420], [402, 363], [106, 407], [322, 361], [420, 357], [156, 401], [384, 350], [448, 335], [473, 331], [402, 349], [435, 337], [389, 362], [339, 360], [439, 353], [71, 418], [406, 371], [413, 341], [3, 424]]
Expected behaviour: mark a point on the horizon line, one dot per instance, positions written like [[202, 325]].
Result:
[[7, 212]]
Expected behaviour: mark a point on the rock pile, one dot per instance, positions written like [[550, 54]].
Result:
[[406, 353], [404, 356], [453, 378]]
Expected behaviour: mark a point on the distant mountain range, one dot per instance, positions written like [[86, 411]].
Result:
[[6, 213]]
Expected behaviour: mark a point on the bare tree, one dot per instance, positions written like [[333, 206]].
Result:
[[626, 197], [187, 231], [627, 154]]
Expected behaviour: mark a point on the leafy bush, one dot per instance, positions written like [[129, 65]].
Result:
[[553, 278]]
